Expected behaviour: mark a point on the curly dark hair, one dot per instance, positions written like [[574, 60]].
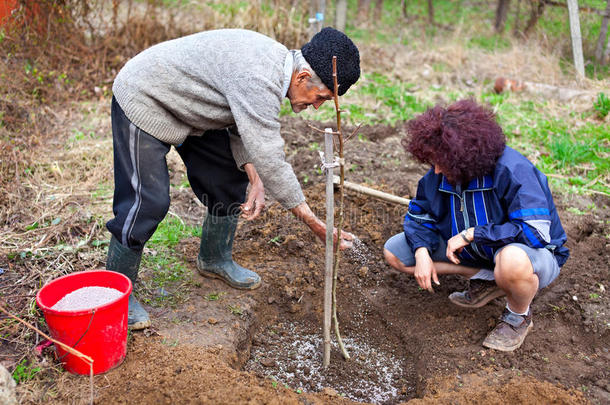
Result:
[[463, 140]]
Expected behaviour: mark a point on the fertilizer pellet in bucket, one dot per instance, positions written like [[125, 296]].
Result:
[[86, 298]]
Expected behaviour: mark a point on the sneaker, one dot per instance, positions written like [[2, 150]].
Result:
[[478, 293], [510, 332]]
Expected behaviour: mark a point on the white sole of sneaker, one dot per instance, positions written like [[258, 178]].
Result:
[[483, 302]]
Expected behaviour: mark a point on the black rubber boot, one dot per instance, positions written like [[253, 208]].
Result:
[[215, 257], [127, 261]]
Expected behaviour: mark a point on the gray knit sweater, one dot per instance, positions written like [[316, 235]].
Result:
[[211, 80]]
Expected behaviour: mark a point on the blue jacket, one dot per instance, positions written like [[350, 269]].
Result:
[[513, 204]]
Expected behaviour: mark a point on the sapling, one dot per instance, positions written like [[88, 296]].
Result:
[[333, 255]]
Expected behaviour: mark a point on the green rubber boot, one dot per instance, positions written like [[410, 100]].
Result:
[[127, 261], [215, 257]]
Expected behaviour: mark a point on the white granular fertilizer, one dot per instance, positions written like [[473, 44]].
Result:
[[86, 298]]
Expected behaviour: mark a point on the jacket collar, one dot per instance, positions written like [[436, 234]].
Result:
[[476, 184]]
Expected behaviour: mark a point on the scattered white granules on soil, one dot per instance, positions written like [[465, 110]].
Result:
[[292, 356], [86, 298]]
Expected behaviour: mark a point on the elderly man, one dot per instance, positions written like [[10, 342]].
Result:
[[216, 97]]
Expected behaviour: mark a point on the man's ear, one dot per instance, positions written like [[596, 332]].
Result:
[[303, 77]]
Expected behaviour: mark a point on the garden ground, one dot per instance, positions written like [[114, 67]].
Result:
[[212, 343], [209, 342]]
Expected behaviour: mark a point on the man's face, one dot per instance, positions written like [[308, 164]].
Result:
[[302, 93]]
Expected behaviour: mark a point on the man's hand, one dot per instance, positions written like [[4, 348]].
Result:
[[347, 239], [304, 213], [425, 272], [457, 243], [255, 203]]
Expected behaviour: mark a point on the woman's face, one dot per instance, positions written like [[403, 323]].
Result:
[[440, 170]]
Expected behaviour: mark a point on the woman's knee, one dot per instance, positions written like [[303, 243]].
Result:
[[395, 262]]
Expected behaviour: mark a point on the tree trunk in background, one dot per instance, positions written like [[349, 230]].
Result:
[[603, 32], [341, 15], [576, 36], [364, 7], [537, 10], [403, 8], [377, 10], [517, 19], [430, 12], [501, 14], [607, 53]]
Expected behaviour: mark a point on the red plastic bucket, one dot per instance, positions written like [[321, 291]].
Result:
[[100, 332]]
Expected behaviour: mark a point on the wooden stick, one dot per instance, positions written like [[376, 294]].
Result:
[[330, 219], [372, 192], [67, 348], [340, 225]]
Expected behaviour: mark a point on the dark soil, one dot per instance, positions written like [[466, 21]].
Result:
[[405, 343]]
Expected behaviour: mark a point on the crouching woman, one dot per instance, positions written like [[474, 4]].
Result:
[[483, 211]]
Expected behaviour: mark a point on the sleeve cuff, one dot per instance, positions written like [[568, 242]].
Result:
[[238, 149], [292, 202]]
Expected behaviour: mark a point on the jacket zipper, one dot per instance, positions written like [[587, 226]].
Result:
[[467, 224]]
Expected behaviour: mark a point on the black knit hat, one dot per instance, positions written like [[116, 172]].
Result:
[[319, 54]]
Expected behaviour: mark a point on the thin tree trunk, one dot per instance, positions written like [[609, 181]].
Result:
[[364, 7], [501, 14], [430, 12], [517, 19], [607, 52], [537, 10], [576, 37], [341, 212], [403, 8], [377, 10], [341, 15], [603, 32]]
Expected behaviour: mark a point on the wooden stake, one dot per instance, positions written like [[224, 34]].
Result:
[[340, 225], [330, 219]]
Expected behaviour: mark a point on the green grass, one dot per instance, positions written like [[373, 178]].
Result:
[[489, 43], [25, 371], [474, 22], [602, 105], [386, 101], [215, 296], [170, 232], [168, 267], [573, 148]]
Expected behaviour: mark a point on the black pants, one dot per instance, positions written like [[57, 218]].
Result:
[[141, 178]]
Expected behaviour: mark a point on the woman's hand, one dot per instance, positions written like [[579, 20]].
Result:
[[457, 243], [425, 272], [255, 202]]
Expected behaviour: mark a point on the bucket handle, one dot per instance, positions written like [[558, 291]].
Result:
[[81, 337]]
